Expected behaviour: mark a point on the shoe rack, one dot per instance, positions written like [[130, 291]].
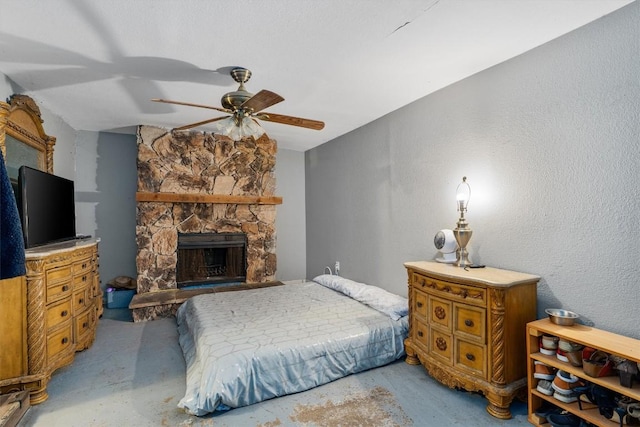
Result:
[[625, 347]]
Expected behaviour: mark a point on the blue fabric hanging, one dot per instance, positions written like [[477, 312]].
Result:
[[12, 260]]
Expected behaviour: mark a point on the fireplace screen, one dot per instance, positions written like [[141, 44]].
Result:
[[211, 258]]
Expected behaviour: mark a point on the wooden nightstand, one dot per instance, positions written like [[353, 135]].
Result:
[[468, 328]]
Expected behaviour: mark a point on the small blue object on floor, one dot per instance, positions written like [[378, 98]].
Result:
[[119, 298]]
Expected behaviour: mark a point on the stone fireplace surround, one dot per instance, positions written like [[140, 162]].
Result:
[[195, 182]]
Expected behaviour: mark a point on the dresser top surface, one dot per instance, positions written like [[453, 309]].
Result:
[[487, 275], [46, 250]]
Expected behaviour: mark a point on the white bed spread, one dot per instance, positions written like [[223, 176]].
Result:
[[247, 346]]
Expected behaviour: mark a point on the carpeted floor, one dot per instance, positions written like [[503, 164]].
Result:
[[134, 375]]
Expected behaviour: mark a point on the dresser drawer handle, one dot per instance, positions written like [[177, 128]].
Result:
[[64, 313], [65, 340], [468, 323], [420, 334], [84, 265], [419, 304], [65, 288], [85, 324], [441, 343], [470, 357], [422, 282], [440, 313], [81, 301]]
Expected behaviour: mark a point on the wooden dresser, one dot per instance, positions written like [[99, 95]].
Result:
[[468, 328], [63, 304]]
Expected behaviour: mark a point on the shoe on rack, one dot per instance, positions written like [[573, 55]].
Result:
[[565, 397], [562, 355], [585, 395], [575, 358], [597, 364], [564, 382], [568, 346], [627, 413], [545, 387], [543, 371], [628, 370], [565, 419], [548, 344], [546, 409]]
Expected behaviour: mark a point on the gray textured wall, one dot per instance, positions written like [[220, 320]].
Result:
[[550, 144], [290, 216]]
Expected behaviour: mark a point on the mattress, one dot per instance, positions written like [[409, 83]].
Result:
[[247, 346]]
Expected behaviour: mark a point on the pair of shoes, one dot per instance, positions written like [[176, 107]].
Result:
[[548, 344], [543, 371], [564, 384], [628, 370]]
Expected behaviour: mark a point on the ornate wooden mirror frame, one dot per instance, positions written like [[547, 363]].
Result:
[[22, 135]]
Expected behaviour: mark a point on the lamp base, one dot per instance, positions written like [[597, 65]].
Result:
[[462, 258], [463, 235]]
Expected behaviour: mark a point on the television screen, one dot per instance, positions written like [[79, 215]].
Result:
[[47, 207]]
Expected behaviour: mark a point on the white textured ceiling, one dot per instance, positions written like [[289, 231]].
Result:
[[97, 64]]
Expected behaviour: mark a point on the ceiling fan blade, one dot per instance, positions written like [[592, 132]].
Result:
[[188, 104], [204, 122], [261, 100], [293, 121]]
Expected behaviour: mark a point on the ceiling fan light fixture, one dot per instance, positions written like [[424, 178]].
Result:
[[239, 129]]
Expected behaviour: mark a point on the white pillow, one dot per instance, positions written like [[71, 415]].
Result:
[[390, 304]]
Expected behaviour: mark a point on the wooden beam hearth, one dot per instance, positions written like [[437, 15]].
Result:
[[207, 198]]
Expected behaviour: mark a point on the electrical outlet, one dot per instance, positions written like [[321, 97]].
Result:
[[337, 269]]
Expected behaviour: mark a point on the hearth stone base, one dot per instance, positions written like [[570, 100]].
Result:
[[160, 304]]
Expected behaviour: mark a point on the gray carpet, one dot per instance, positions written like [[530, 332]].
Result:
[[134, 375]]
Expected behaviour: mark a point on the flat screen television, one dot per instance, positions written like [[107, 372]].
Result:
[[47, 207]]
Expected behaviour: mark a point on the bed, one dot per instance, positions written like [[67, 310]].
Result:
[[247, 346]]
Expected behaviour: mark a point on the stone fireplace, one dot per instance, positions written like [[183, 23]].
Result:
[[195, 183]]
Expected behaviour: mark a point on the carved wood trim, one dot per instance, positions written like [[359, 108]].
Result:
[[36, 316], [21, 119], [497, 335], [4, 113], [207, 198]]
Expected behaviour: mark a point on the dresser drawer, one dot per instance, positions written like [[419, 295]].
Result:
[[59, 274], [420, 333], [440, 345], [59, 340], [81, 299], [81, 266], [83, 279], [58, 290], [420, 303], [463, 293], [469, 322], [471, 357], [58, 313], [440, 313], [83, 324]]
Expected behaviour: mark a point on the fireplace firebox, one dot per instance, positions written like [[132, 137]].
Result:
[[211, 258]]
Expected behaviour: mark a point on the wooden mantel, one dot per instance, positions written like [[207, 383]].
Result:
[[207, 198]]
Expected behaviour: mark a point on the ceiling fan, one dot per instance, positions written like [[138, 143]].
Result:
[[244, 109]]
